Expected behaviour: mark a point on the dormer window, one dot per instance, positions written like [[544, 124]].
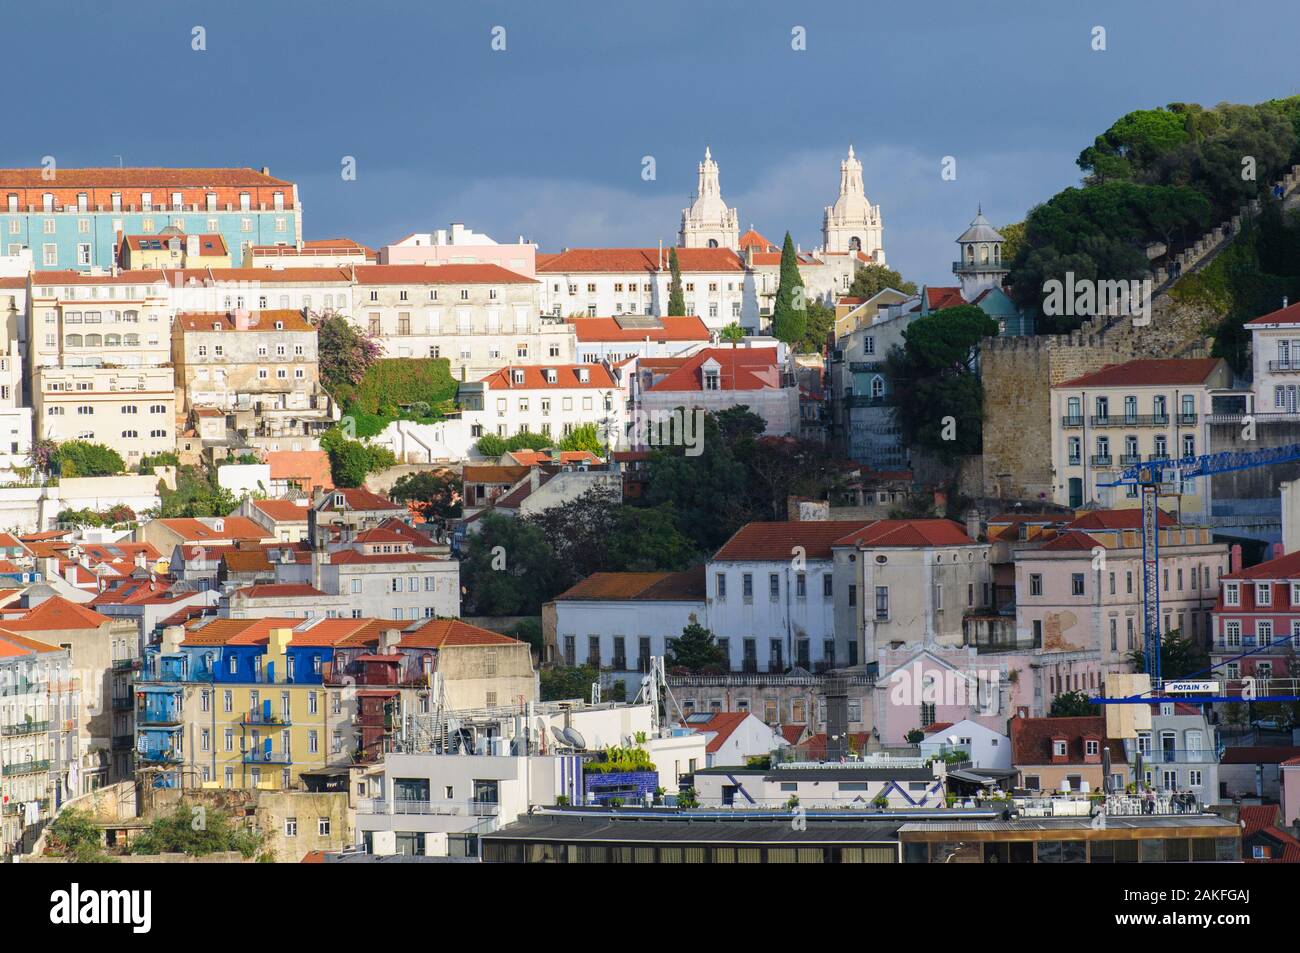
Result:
[[712, 380], [1092, 748], [1264, 594], [1058, 748], [279, 325], [517, 377], [551, 376], [338, 499], [1231, 594], [584, 375]]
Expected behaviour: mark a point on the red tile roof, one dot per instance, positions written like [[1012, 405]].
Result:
[[440, 275], [491, 473], [687, 585], [755, 240], [1281, 568], [739, 369], [925, 532], [1068, 542], [278, 590], [441, 633], [282, 511], [1145, 373], [762, 541], [55, 613], [937, 298], [638, 260], [233, 527], [356, 498], [225, 321], [137, 177], [723, 724], [792, 733], [1031, 739], [209, 245], [688, 328], [1289, 315], [529, 458], [566, 377], [1116, 519], [310, 466]]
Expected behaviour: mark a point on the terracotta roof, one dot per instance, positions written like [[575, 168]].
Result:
[[440, 275], [278, 590], [637, 586], [356, 498], [723, 724], [282, 511], [792, 733], [55, 613], [638, 260], [1289, 315], [1281, 568], [1262, 820], [776, 540], [1116, 519], [1145, 373], [341, 632], [492, 473], [566, 377], [440, 633], [925, 532], [1031, 739], [138, 177], [755, 240], [311, 466], [225, 321], [529, 458], [352, 557], [247, 561], [937, 298], [13, 645], [236, 631], [233, 527], [741, 368], [1072, 541], [687, 328], [210, 245], [815, 746]]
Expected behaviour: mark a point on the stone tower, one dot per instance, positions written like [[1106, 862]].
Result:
[[708, 223], [852, 224], [980, 263]]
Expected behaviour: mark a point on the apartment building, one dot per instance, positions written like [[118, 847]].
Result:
[[173, 249], [130, 409], [314, 253], [1079, 594], [1125, 414], [76, 219], [552, 399], [261, 368], [716, 378], [1275, 357], [626, 336], [1256, 621], [459, 245], [614, 281], [40, 707], [480, 317]]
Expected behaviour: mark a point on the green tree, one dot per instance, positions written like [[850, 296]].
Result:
[[74, 833], [646, 539], [585, 437], [870, 280], [196, 831], [819, 327], [507, 567], [732, 334], [1071, 705], [676, 298], [530, 632], [197, 494], [696, 651], [78, 458], [490, 445], [1180, 657], [435, 492], [560, 682], [351, 461], [790, 312]]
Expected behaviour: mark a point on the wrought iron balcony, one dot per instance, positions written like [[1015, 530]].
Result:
[[1072, 421], [263, 756], [260, 718], [26, 767], [1101, 459], [1130, 420], [1284, 367], [1130, 459], [25, 728]]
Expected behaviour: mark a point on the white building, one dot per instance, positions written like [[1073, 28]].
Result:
[[626, 336], [987, 748], [716, 378], [459, 245], [550, 399], [1275, 356]]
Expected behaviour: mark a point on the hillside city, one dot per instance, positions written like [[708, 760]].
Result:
[[715, 550]]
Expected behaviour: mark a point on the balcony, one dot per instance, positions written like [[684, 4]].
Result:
[[123, 702], [1156, 457], [1130, 420], [1177, 756], [1187, 420], [1284, 367], [126, 665], [1101, 459], [167, 756], [263, 756], [158, 717], [1130, 459], [978, 267], [26, 767], [1072, 421], [379, 806], [26, 728], [261, 718]]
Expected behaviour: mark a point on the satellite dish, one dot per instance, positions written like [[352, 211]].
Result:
[[558, 734], [575, 738]]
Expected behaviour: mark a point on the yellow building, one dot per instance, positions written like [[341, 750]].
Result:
[[172, 249]]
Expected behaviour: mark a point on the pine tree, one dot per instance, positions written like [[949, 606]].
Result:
[[790, 315], [676, 300]]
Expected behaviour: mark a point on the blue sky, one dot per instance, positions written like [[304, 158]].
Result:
[[546, 138]]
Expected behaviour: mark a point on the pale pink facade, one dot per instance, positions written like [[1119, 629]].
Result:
[[460, 246], [1290, 796]]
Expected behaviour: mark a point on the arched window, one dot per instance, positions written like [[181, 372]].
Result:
[[984, 254], [713, 243], [73, 340], [131, 340], [94, 340], [131, 317], [970, 254], [112, 340], [877, 387]]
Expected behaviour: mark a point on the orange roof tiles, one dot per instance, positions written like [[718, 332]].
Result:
[[1116, 519], [440, 275], [56, 613], [686, 328], [277, 590], [775, 540], [924, 532], [534, 378], [739, 369], [639, 260], [441, 633], [282, 511], [225, 321], [1145, 373], [233, 527], [139, 177]]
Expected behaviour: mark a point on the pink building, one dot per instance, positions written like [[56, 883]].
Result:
[[460, 246], [1257, 619]]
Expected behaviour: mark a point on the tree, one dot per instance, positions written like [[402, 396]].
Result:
[[819, 327], [436, 493], [344, 352], [676, 299], [584, 437], [870, 280], [696, 651], [508, 567], [75, 834], [77, 458], [939, 400], [43, 454], [529, 631], [1071, 705], [646, 539], [196, 495], [560, 682], [351, 461], [732, 334], [1179, 657], [790, 312], [181, 832]]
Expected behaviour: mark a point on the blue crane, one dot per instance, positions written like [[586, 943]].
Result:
[[1149, 477]]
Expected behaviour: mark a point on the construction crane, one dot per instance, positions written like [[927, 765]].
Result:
[[1149, 477]]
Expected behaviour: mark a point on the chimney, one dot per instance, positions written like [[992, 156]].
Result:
[[141, 561], [388, 640], [1234, 558], [1277, 551], [1284, 300], [973, 523], [171, 639], [266, 170], [241, 317]]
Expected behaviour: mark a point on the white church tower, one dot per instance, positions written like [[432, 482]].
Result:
[[980, 265], [853, 224], [708, 223]]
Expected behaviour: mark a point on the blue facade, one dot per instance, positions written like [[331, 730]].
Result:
[[100, 233], [211, 663]]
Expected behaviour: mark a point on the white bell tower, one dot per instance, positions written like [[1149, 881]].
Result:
[[980, 264], [708, 223], [853, 224]]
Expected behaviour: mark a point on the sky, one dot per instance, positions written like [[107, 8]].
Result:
[[547, 137]]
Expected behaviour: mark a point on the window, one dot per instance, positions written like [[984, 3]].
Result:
[[882, 603], [291, 827], [1076, 583], [1035, 584], [721, 587], [1264, 594], [1231, 594], [747, 587]]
